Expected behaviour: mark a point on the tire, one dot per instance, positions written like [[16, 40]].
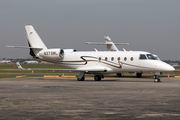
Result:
[[97, 78], [138, 75], [118, 74], [81, 79]]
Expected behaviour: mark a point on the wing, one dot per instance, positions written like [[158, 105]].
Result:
[[25, 47], [77, 70]]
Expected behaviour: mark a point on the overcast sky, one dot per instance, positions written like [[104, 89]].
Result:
[[148, 25]]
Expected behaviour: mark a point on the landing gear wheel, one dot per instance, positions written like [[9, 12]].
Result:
[[81, 79], [97, 78], [156, 78], [118, 74], [81, 76], [138, 75]]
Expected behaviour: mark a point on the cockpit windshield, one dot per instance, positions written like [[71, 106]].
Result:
[[150, 56], [147, 56]]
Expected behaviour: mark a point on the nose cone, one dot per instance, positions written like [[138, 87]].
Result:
[[170, 68], [164, 67]]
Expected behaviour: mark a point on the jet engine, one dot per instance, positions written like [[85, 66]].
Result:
[[52, 54]]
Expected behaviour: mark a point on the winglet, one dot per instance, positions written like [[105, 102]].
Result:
[[19, 66]]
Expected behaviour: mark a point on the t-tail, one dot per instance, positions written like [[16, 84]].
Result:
[[110, 45], [34, 41], [38, 49]]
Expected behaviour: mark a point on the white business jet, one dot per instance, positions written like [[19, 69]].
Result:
[[98, 63]]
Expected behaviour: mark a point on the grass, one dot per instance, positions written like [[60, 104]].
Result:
[[7, 66], [13, 76], [14, 67], [30, 71], [178, 67], [7, 76], [10, 68]]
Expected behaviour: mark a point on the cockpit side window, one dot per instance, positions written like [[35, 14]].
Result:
[[142, 57], [151, 57]]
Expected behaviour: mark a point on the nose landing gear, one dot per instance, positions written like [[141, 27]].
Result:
[[156, 78]]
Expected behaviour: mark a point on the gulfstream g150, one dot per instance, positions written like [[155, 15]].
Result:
[[98, 63]]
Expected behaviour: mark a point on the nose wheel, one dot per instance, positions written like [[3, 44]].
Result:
[[156, 78]]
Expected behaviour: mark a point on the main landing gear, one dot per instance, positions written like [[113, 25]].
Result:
[[138, 75], [156, 78], [118, 74], [81, 77]]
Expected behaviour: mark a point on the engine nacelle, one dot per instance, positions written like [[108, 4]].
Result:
[[51, 54]]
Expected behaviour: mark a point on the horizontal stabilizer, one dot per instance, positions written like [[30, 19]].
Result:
[[95, 43], [25, 47], [121, 43], [108, 43]]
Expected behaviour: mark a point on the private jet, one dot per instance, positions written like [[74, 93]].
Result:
[[98, 63]]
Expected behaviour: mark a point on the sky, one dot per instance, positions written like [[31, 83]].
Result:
[[148, 25]]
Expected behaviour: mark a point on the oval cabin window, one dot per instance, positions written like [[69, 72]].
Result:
[[112, 58], [131, 58]]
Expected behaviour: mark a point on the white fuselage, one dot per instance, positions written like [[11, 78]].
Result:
[[112, 61]]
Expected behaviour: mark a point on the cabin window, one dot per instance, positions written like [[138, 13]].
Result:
[[131, 58], [151, 57], [125, 58], [142, 57], [106, 58], [118, 58], [99, 58], [112, 58]]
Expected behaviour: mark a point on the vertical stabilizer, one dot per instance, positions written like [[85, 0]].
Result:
[[110, 44], [34, 41]]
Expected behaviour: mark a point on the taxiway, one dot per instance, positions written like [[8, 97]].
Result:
[[111, 98]]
